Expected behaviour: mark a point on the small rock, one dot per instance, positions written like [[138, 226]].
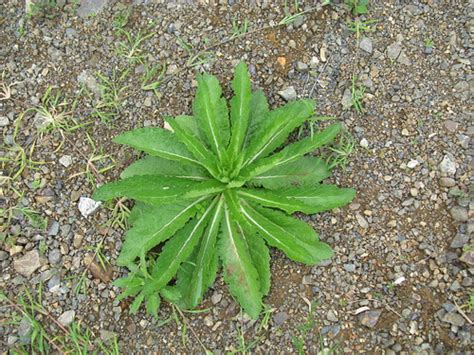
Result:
[[362, 221], [216, 297], [366, 44], [77, 240], [106, 335], [364, 143], [346, 100], [4, 121], [331, 316], [301, 67], [91, 7], [451, 125], [67, 317], [454, 319], [53, 228], [97, 270], [468, 257], [288, 93], [459, 214], [459, 241], [147, 102], [208, 321], [24, 330], [90, 82], [412, 164], [53, 284], [323, 54], [65, 160], [403, 58], [87, 206], [54, 256], [448, 165], [27, 264], [3, 255], [370, 318], [280, 318], [349, 267], [447, 182], [393, 50]]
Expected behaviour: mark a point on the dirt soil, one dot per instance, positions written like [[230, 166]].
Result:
[[402, 275]]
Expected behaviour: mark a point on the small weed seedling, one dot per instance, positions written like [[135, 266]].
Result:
[[357, 95], [120, 20], [429, 43], [131, 48], [5, 89], [152, 77], [218, 188], [341, 150], [357, 7], [239, 30], [110, 102], [195, 58], [359, 27]]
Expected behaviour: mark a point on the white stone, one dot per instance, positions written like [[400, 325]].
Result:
[[65, 160], [28, 263], [364, 143], [448, 165], [87, 206], [67, 318], [412, 164]]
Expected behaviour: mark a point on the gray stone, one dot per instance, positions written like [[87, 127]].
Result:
[[3, 255], [447, 182], [288, 93], [370, 318], [216, 297], [459, 240], [87, 206], [468, 257], [362, 221], [67, 317], [53, 229], [331, 316], [280, 318], [346, 100], [454, 319], [393, 50], [366, 44], [448, 165], [4, 121], [90, 82], [91, 7], [459, 214], [349, 267], [54, 256], [27, 264], [301, 67], [65, 160], [403, 58], [53, 283]]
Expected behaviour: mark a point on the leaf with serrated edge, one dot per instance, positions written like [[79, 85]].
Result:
[[156, 225], [260, 256], [304, 171], [206, 158], [239, 271], [157, 190], [294, 237], [158, 142], [203, 274], [177, 250], [151, 165], [290, 153], [210, 111], [239, 109], [276, 128]]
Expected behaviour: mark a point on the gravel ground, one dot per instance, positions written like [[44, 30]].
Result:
[[402, 274]]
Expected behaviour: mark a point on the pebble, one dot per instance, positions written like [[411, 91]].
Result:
[[65, 160], [346, 100], [216, 297], [454, 319], [3, 255], [447, 182], [28, 263], [53, 228], [77, 240], [54, 256], [349, 267], [331, 316], [459, 241], [362, 221], [448, 165], [468, 257], [91, 7], [393, 50], [459, 214], [288, 93], [413, 164], [370, 318], [4, 121], [301, 67], [67, 317], [87, 206], [280, 318], [366, 44], [364, 143]]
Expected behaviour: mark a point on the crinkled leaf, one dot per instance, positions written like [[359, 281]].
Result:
[[157, 190], [176, 251], [260, 256], [152, 304], [294, 237], [183, 130], [154, 226], [318, 198], [211, 113], [290, 153], [276, 128], [205, 268], [158, 142], [239, 109], [136, 303], [151, 165], [239, 272], [304, 171]]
